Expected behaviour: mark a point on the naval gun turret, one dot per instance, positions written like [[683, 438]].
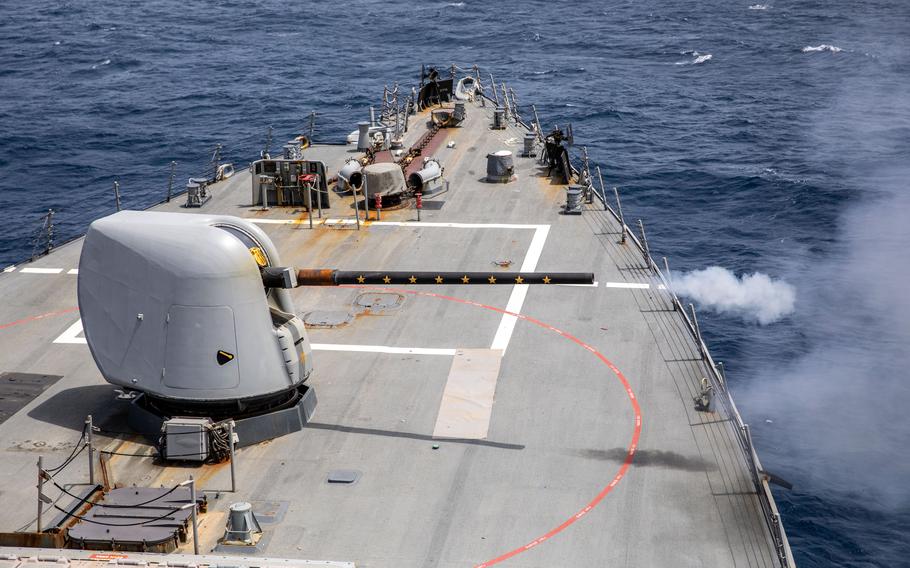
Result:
[[192, 317]]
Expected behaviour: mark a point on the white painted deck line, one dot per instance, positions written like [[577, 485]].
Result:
[[459, 225], [9, 269], [595, 284], [633, 285], [467, 401], [73, 271], [42, 270], [381, 349], [71, 335], [519, 291]]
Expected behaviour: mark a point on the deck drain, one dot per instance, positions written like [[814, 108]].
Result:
[[377, 302], [347, 476]]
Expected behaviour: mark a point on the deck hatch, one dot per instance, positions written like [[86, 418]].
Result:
[[19, 389]]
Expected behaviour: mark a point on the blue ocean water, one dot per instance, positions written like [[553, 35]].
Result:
[[769, 138]]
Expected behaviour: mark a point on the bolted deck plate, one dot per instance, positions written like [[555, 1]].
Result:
[[377, 302]]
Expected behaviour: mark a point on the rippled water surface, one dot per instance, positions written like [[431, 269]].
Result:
[[769, 138]]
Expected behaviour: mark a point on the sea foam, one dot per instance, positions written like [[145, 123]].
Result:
[[822, 47]]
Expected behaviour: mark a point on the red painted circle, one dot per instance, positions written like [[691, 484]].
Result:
[[633, 444]]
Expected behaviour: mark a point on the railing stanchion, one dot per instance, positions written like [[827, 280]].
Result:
[[231, 446], [91, 449], [117, 194], [170, 181], [38, 523], [195, 524], [644, 245], [622, 220], [697, 330]]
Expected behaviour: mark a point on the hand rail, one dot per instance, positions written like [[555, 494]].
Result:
[[741, 430]]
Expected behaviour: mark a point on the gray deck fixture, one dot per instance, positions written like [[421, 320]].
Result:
[[242, 526], [383, 178], [529, 149], [422, 178], [574, 195], [350, 176], [500, 167]]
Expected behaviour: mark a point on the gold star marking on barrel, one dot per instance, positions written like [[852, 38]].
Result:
[[546, 279], [465, 279], [492, 279], [361, 279], [519, 280], [386, 279], [412, 280], [439, 279]]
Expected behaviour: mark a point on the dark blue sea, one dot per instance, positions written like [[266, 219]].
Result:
[[769, 138]]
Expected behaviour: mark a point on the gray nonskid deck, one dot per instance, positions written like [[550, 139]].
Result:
[[561, 424]]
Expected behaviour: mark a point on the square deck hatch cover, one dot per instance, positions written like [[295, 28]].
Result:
[[19, 389]]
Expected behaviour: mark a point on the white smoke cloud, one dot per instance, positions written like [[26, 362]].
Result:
[[841, 411], [755, 297]]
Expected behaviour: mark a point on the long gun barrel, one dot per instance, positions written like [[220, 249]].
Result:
[[289, 278]]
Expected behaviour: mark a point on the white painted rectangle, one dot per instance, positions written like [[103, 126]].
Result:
[[42, 270], [467, 401]]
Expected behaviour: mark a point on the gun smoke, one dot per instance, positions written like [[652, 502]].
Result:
[[755, 297], [840, 408]]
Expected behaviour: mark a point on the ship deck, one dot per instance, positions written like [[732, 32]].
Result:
[[592, 453]]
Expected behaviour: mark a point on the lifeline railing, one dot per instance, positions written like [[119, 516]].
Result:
[[719, 384]]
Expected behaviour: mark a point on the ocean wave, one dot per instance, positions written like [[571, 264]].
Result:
[[699, 58], [822, 47], [105, 62], [759, 7]]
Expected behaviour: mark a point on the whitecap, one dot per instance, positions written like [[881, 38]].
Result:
[[759, 7], [699, 58], [822, 47], [455, 4]]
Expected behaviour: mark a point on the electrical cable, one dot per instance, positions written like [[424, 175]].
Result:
[[72, 455], [94, 522], [83, 500]]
